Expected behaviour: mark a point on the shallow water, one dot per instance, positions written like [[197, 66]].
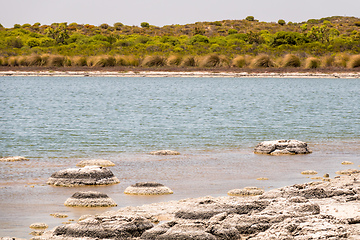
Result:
[[214, 123]]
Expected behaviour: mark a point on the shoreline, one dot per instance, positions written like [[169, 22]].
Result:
[[185, 73]]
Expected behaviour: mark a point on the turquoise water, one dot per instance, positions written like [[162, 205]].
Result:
[[214, 122], [89, 117]]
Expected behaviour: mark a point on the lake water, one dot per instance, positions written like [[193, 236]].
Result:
[[214, 122]]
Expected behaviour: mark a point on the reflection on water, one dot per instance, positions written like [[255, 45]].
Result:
[[214, 123]]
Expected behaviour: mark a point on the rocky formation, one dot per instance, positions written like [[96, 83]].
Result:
[[309, 172], [165, 152], [247, 191], [281, 147], [95, 162], [148, 188], [89, 175], [39, 225], [89, 199], [13, 159], [316, 210]]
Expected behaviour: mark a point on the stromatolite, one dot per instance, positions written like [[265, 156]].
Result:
[[148, 188], [89, 199], [281, 147], [89, 175]]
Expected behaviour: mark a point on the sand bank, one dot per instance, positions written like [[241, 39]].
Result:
[[182, 74]]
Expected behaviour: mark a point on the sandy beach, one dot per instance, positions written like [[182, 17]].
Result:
[[200, 73]]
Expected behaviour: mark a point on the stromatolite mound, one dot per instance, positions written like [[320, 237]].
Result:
[[247, 191], [95, 162], [89, 175], [165, 152], [148, 188], [90, 199], [13, 159], [99, 227], [281, 147]]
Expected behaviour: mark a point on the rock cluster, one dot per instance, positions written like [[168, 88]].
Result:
[[281, 147], [148, 188], [89, 175], [165, 152], [89, 199], [13, 159], [95, 162], [316, 210]]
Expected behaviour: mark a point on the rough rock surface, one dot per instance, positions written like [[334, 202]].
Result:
[[89, 199], [148, 188], [89, 175], [316, 210], [165, 152], [95, 162], [247, 191], [281, 147], [13, 159]]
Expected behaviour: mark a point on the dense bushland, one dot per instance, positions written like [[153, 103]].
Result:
[[326, 42]]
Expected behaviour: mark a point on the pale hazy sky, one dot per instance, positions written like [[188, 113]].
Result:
[[167, 12]]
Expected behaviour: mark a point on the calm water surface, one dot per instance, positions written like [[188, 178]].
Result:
[[213, 122]]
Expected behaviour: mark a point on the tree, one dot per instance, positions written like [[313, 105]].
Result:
[[281, 22], [59, 33], [145, 25], [250, 18]]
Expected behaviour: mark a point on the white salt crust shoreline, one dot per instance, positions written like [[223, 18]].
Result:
[[178, 74]]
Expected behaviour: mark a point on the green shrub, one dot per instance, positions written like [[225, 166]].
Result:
[[154, 61], [14, 42], [33, 42], [262, 61], [250, 18], [357, 24], [232, 31], [354, 61], [118, 26], [239, 61], [145, 25], [104, 26], [17, 26], [312, 62], [199, 39], [291, 60], [281, 22]]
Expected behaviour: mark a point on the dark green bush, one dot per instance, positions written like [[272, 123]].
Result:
[[281, 22], [199, 39], [250, 18], [145, 25]]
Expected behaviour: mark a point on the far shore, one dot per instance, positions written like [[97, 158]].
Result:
[[181, 72]]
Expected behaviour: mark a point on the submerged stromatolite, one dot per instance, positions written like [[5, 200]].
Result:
[[13, 159], [89, 175], [282, 147], [89, 199], [148, 188], [95, 162], [165, 152]]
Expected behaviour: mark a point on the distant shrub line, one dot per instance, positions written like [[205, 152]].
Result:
[[207, 61]]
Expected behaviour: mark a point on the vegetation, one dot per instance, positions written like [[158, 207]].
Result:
[[326, 42]]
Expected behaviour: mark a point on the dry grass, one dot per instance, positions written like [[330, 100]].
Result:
[[174, 60], [189, 61], [262, 61], [214, 60], [354, 62], [327, 61], [239, 61], [291, 60], [312, 62], [154, 61], [13, 61], [102, 61], [78, 61], [56, 61], [341, 60]]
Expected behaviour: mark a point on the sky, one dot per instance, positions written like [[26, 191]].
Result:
[[168, 12]]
